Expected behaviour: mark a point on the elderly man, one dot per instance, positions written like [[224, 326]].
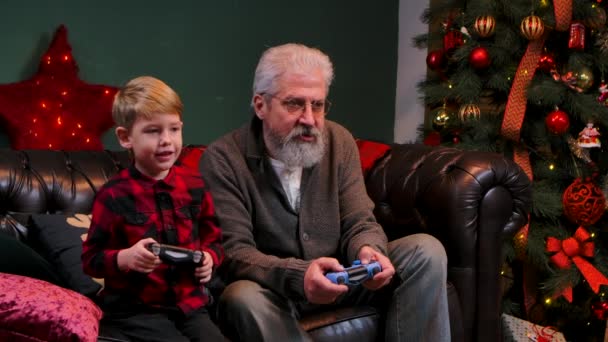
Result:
[[291, 200]]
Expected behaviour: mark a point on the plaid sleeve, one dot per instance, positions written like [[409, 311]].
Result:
[[98, 259]]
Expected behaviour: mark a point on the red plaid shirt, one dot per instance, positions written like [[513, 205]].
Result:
[[177, 210]]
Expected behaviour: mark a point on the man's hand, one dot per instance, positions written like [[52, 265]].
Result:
[[367, 255], [317, 288], [204, 271], [138, 258]]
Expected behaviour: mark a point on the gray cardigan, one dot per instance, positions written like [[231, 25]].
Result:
[[265, 240]]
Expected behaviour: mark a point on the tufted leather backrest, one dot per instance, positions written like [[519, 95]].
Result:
[[45, 181]]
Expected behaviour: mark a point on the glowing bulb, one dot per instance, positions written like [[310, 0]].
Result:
[[50, 145], [548, 301], [73, 134], [64, 93], [65, 57], [551, 166], [88, 140], [43, 105], [59, 120], [78, 125], [107, 92], [34, 120]]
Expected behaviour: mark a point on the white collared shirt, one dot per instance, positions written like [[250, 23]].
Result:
[[290, 179]]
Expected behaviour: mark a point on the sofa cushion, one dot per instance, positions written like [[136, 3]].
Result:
[[370, 152], [190, 156], [20, 259], [35, 310], [59, 239]]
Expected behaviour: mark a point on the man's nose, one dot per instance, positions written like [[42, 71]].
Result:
[[308, 116]]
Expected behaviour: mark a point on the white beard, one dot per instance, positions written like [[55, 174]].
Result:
[[293, 152]]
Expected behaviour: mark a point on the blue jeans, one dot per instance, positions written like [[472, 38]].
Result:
[[416, 304]]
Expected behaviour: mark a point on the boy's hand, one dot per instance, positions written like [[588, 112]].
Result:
[[138, 258], [204, 271]]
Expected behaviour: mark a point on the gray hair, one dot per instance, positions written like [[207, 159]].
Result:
[[278, 60]]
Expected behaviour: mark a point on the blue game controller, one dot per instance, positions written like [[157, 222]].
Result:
[[356, 274]]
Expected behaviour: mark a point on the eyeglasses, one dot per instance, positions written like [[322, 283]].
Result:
[[297, 105]]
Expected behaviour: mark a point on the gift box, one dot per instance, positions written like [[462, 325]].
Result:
[[519, 330]]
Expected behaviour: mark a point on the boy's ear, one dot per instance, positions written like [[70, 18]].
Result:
[[123, 137]]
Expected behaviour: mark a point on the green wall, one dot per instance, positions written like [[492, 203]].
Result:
[[207, 51]]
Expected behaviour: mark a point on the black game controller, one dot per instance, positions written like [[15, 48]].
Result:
[[176, 255]]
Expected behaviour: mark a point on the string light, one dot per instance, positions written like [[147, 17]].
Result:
[[548, 301], [551, 166]]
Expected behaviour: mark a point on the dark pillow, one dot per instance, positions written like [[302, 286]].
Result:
[[14, 224], [34, 310], [59, 239], [18, 258]]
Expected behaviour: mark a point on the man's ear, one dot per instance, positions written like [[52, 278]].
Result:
[[123, 137], [259, 106]]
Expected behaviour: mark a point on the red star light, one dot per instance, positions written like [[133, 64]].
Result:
[[55, 109]]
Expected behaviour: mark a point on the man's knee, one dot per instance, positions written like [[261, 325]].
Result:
[[239, 295], [426, 252]]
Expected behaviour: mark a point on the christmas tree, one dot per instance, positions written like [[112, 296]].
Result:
[[527, 78]]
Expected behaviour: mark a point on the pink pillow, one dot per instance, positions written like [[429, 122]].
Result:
[[35, 310]]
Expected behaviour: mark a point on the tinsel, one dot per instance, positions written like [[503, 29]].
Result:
[[579, 152], [601, 41]]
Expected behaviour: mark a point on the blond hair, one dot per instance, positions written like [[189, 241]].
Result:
[[144, 97]]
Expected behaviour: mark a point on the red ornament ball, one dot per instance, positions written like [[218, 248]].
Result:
[[600, 310], [436, 60], [584, 203], [546, 62], [479, 58], [433, 139], [557, 122]]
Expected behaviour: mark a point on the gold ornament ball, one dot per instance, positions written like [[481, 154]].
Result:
[[583, 77], [532, 27], [597, 20], [468, 112], [441, 119], [484, 25]]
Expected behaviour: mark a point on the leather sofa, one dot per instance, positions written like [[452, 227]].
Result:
[[471, 201]]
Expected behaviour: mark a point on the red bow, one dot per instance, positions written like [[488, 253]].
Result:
[[573, 249]]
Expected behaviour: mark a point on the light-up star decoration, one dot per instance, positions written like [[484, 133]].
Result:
[[55, 109]]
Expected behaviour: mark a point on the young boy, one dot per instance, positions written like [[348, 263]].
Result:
[[152, 201]]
